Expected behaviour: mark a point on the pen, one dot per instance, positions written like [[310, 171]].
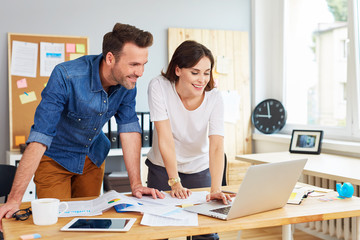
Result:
[[229, 192], [30, 236]]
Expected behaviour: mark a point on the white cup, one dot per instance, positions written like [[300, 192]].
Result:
[[45, 211]]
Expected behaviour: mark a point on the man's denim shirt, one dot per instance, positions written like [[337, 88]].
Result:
[[73, 110]]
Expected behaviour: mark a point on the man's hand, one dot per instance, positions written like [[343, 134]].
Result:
[[7, 210], [139, 190]]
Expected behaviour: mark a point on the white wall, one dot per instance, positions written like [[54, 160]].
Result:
[[94, 18]]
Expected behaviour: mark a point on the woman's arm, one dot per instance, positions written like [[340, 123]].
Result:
[[167, 150], [216, 165]]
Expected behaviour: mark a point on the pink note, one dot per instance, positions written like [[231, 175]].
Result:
[[22, 83], [70, 47]]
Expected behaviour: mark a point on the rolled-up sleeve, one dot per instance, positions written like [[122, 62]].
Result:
[[40, 138]]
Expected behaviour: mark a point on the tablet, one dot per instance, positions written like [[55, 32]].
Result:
[[100, 224]]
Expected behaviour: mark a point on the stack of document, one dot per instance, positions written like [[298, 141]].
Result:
[[96, 206], [165, 212], [156, 212]]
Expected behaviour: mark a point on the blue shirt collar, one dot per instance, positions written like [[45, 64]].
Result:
[[96, 85]]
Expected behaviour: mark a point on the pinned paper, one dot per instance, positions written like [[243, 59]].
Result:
[[70, 47], [27, 97], [222, 64], [80, 48], [75, 56], [22, 83], [19, 140]]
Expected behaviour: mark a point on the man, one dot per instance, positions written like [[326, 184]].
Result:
[[66, 146]]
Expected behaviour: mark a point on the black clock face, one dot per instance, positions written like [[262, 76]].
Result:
[[269, 116]]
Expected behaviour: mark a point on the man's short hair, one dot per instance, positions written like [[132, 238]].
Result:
[[123, 33]]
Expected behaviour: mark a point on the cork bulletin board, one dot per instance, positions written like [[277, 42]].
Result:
[[30, 61]]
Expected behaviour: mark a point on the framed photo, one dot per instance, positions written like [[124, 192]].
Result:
[[306, 141]]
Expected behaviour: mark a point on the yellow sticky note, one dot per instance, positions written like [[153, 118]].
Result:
[[19, 140], [293, 195], [80, 48], [27, 97], [75, 56]]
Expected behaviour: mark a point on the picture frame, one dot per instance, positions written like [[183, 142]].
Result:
[[306, 141]]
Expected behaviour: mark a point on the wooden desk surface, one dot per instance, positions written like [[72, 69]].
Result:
[[311, 209], [330, 166]]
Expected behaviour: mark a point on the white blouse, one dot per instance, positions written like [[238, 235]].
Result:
[[189, 128]]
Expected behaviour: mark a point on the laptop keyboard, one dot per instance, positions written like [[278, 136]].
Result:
[[223, 210]]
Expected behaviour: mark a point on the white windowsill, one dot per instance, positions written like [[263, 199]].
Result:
[[330, 146]]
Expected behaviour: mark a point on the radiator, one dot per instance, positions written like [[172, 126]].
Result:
[[329, 229]]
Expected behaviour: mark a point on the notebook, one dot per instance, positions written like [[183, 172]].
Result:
[[264, 187]]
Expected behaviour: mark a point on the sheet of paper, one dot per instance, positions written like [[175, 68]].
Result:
[[188, 219], [195, 198], [24, 59], [159, 210], [51, 54], [97, 205], [313, 188], [231, 106]]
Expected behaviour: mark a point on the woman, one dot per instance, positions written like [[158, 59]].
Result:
[[187, 112]]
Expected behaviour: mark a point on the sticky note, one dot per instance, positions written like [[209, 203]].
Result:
[[80, 48], [19, 140], [27, 97], [22, 83], [75, 56], [70, 47]]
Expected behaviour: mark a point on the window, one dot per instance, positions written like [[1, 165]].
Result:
[[314, 58], [316, 62]]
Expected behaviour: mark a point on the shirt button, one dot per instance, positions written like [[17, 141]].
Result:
[[100, 114], [86, 146], [94, 129], [89, 139], [79, 119], [104, 101]]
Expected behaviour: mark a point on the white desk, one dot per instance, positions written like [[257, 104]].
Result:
[[329, 166], [324, 166]]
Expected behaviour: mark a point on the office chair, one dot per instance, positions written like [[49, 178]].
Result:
[[224, 182], [7, 174]]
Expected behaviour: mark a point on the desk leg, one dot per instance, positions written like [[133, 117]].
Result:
[[286, 232], [239, 235]]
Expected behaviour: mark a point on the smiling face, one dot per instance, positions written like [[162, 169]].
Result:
[[127, 68], [192, 81]]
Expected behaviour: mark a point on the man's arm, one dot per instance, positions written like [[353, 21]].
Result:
[[26, 169], [131, 146]]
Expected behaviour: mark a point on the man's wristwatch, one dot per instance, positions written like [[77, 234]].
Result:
[[172, 181]]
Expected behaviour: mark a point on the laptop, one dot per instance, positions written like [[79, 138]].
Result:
[[265, 187]]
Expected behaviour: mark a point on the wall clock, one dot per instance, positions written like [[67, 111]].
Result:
[[269, 116]]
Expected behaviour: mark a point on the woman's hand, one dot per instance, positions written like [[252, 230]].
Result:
[[178, 191], [226, 198]]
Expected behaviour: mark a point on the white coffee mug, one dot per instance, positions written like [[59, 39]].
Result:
[[45, 211]]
